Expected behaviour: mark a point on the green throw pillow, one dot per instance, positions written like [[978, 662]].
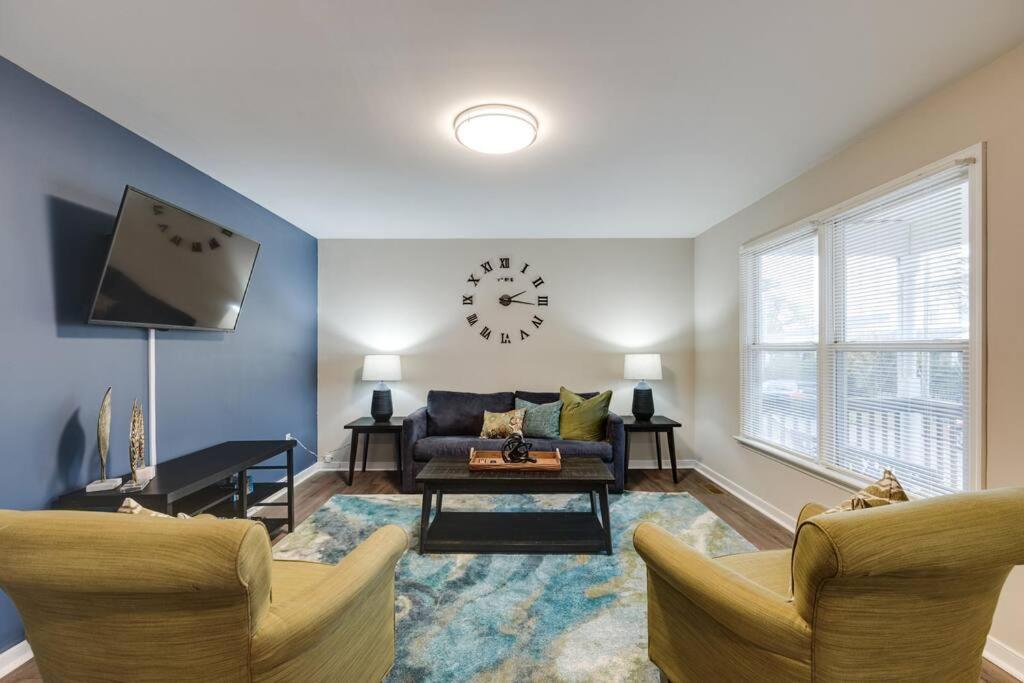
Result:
[[583, 419], [541, 421]]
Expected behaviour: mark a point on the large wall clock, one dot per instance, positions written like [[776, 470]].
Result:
[[504, 301]]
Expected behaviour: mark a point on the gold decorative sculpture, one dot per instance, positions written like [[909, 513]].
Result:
[[103, 433], [137, 441]]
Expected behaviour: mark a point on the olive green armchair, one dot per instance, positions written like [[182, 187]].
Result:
[[896, 593], [114, 597]]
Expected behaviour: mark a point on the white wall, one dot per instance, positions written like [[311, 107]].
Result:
[[606, 298], [987, 105]]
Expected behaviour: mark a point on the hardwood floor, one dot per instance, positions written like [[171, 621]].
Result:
[[754, 526]]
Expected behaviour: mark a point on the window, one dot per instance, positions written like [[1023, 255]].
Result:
[[861, 336]]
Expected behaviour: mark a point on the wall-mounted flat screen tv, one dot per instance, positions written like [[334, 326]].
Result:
[[168, 268]]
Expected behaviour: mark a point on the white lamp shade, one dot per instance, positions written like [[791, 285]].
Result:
[[643, 366], [382, 368]]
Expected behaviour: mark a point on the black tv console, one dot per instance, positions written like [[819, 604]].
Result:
[[194, 484]]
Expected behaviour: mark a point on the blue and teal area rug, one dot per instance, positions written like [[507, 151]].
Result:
[[516, 617]]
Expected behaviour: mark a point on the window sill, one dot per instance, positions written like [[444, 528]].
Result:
[[850, 482]]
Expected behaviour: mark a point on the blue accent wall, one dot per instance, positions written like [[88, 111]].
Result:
[[63, 168]]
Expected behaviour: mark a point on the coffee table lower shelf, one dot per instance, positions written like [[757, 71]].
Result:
[[515, 532]]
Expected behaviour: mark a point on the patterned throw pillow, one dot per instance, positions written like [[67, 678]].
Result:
[[130, 506], [885, 491], [502, 425], [583, 419], [541, 420]]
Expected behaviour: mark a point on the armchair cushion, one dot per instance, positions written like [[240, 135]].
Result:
[[767, 568], [885, 491]]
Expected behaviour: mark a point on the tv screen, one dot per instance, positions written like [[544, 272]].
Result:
[[168, 268]]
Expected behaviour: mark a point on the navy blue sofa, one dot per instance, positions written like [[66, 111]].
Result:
[[452, 420]]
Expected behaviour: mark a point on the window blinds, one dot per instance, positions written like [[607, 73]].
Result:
[[884, 383], [780, 350], [897, 358]]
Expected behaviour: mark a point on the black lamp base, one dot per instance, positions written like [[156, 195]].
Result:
[[380, 407], [643, 404]]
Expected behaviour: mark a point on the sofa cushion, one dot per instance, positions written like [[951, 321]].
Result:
[[428, 447], [584, 418], [503, 425], [431, 446], [459, 413], [547, 396], [575, 449], [540, 421]]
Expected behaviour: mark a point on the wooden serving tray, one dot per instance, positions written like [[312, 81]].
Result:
[[490, 461]]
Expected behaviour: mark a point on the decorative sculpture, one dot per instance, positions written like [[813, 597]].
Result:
[[103, 446], [516, 450], [103, 433], [137, 441]]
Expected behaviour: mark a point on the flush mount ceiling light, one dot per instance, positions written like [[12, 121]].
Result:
[[496, 128]]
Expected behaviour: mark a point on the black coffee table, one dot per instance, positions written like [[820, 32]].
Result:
[[515, 532]]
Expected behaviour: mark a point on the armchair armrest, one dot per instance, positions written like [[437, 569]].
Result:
[[808, 511], [361, 583], [740, 605]]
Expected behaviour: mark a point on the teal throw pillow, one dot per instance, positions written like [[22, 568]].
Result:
[[541, 421]]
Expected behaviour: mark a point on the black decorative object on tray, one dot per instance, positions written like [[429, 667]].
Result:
[[516, 450]]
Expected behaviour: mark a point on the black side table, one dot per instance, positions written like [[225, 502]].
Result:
[[367, 426], [658, 424]]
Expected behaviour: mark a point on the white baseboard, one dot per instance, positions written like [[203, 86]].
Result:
[[13, 657], [371, 465], [1005, 657], [299, 478], [754, 501]]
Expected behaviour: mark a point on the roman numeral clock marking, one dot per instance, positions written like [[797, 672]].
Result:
[[504, 296]]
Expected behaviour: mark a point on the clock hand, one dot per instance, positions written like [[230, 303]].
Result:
[[527, 303], [505, 299]]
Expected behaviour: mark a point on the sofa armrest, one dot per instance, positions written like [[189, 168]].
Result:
[[750, 611], [614, 431], [363, 579], [414, 427], [615, 434]]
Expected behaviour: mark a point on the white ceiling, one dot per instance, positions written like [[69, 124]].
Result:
[[656, 118]]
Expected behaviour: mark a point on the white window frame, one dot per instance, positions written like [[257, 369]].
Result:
[[975, 470]]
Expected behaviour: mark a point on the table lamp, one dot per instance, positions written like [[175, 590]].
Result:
[[380, 369], [643, 366]]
